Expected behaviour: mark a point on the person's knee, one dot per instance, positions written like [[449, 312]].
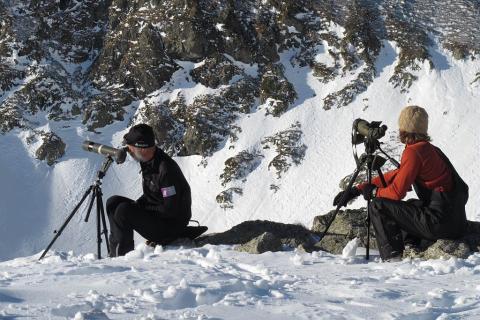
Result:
[[111, 204], [376, 205], [122, 213]]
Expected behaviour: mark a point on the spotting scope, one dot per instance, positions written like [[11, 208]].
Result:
[[119, 155]]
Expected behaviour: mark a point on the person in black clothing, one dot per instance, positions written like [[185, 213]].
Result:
[[163, 210]]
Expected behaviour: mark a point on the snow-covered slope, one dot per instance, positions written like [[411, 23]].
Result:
[[215, 282], [36, 198]]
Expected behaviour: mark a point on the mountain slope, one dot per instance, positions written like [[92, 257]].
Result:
[[255, 100]]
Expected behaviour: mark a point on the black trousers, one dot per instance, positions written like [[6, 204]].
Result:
[[393, 221], [125, 216]]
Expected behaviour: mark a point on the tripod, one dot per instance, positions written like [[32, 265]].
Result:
[[96, 188], [371, 162]]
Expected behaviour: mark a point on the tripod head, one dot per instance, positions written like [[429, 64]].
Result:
[[104, 168]]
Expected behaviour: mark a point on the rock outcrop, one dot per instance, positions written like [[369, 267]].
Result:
[[350, 224], [290, 235]]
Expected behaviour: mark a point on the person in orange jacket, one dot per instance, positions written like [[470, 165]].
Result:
[[439, 213]]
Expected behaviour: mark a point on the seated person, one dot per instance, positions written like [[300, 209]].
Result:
[[439, 213], [163, 210]]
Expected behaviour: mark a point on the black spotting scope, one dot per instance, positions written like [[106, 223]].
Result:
[[119, 155], [367, 130]]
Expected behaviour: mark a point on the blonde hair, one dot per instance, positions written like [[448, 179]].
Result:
[[411, 138]]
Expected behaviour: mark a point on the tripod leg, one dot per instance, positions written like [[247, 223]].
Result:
[[99, 232], [382, 178], [350, 184], [59, 232], [104, 223], [90, 205], [367, 249]]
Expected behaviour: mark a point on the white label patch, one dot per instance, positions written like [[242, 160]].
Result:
[[168, 191]]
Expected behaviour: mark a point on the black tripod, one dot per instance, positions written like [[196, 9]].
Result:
[[371, 162], [96, 187]]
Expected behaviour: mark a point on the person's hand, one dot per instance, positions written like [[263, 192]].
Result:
[[367, 191], [343, 197]]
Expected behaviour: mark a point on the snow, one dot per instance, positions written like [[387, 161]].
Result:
[[216, 282]]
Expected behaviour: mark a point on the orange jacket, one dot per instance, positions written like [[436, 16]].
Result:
[[420, 162]]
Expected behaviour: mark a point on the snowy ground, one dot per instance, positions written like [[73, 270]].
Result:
[[216, 282]]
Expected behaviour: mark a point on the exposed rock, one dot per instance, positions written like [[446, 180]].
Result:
[[324, 73], [243, 93], [95, 58], [239, 166], [168, 129], [51, 149], [10, 117], [237, 169], [201, 127], [441, 249], [208, 122], [104, 109], [348, 224], [225, 198], [290, 234], [290, 150], [265, 242], [215, 71], [362, 32], [413, 42], [446, 248], [276, 91], [477, 78], [136, 61]]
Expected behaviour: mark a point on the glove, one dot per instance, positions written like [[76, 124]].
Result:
[[350, 195], [367, 191]]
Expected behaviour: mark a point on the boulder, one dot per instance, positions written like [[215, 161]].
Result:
[[51, 149], [267, 241], [291, 235], [350, 224], [448, 248], [347, 225]]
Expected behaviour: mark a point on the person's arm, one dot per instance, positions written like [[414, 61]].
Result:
[[169, 190], [389, 176], [405, 177]]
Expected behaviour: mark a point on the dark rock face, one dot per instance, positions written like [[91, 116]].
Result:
[[237, 169], [276, 91], [215, 71], [113, 60], [290, 150], [51, 149], [225, 198], [290, 234], [239, 166]]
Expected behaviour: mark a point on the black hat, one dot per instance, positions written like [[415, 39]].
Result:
[[140, 136]]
